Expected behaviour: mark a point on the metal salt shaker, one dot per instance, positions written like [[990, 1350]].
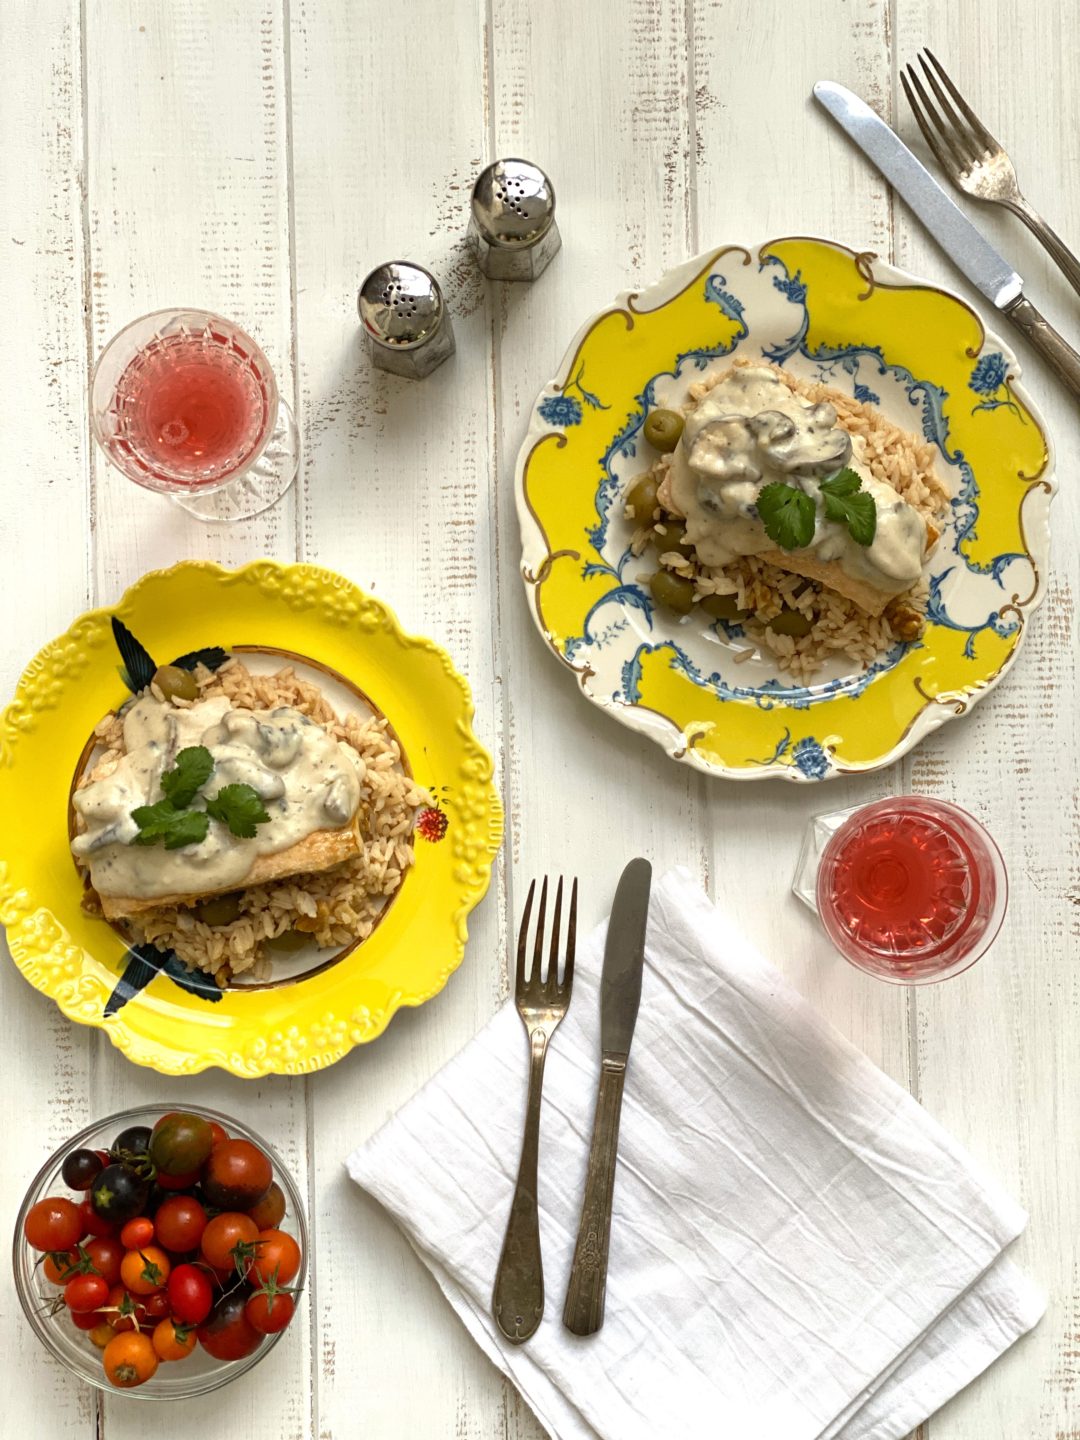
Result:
[[406, 326], [512, 227]]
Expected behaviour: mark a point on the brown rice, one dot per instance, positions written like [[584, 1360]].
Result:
[[335, 907], [838, 625]]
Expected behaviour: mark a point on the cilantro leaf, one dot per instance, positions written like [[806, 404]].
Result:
[[787, 514], [193, 768], [164, 821], [844, 483], [240, 808], [849, 504]]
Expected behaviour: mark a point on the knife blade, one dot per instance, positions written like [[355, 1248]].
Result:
[[620, 996], [966, 247], [624, 955]]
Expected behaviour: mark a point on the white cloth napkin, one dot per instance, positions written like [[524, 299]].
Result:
[[799, 1252]]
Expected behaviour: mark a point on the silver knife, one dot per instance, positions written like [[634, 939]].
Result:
[[620, 994], [965, 246]]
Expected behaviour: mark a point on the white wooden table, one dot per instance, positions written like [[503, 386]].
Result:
[[256, 157]]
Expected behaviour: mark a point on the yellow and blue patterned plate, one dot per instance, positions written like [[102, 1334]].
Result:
[[918, 353], [317, 1005]]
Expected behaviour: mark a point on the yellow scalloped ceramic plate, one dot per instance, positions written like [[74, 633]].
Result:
[[918, 353], [302, 1022]]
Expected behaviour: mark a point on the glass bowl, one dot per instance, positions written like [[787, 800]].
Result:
[[199, 1372]]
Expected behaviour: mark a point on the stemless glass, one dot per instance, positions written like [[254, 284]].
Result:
[[185, 403], [910, 888]]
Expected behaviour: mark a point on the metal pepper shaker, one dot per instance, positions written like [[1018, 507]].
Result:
[[512, 228], [406, 326]]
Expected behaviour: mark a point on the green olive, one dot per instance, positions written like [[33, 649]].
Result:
[[219, 910], [672, 538], [722, 607], [791, 622], [674, 591], [175, 683], [663, 429], [287, 941], [641, 499]]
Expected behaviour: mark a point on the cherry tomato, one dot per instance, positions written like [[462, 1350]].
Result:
[[270, 1310], [81, 1168], [129, 1360], [101, 1334], [59, 1266], [146, 1270], [228, 1240], [118, 1194], [157, 1305], [173, 1341], [218, 1133], [53, 1224], [88, 1320], [180, 1144], [277, 1257], [237, 1175], [179, 1223], [103, 1156], [270, 1210], [124, 1311], [137, 1233], [105, 1254], [84, 1293], [179, 1182], [95, 1224], [190, 1294], [227, 1333]]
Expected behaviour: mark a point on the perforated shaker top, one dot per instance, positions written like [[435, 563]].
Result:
[[513, 203], [400, 304]]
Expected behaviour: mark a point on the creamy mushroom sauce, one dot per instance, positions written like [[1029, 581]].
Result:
[[307, 780], [750, 430]]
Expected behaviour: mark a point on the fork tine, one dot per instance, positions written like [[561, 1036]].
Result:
[[982, 135], [949, 163], [536, 972], [959, 132], [571, 940], [552, 982], [523, 938]]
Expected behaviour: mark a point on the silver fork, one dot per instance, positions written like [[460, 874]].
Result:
[[972, 159], [542, 1000]]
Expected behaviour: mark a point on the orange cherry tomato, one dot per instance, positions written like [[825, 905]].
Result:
[[137, 1233], [55, 1224], [277, 1257], [228, 1241], [172, 1341], [60, 1265], [129, 1359], [146, 1270], [101, 1334]]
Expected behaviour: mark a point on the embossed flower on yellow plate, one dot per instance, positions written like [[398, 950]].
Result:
[[827, 313], [316, 1005]]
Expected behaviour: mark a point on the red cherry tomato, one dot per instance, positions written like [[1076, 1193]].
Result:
[[125, 1311], [157, 1305], [179, 1182], [227, 1333], [179, 1223], [90, 1320], [237, 1175], [190, 1294], [228, 1240], [269, 1311], [53, 1224], [95, 1224], [84, 1293], [137, 1233], [218, 1133], [105, 1255]]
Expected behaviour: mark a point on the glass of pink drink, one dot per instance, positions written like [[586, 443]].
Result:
[[186, 403]]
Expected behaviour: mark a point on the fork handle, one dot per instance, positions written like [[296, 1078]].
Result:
[[583, 1313], [1058, 353], [517, 1301], [1051, 242]]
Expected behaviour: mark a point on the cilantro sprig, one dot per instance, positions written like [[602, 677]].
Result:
[[789, 514], [174, 822]]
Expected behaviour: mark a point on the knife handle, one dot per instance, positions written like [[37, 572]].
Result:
[[1058, 353], [583, 1313]]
